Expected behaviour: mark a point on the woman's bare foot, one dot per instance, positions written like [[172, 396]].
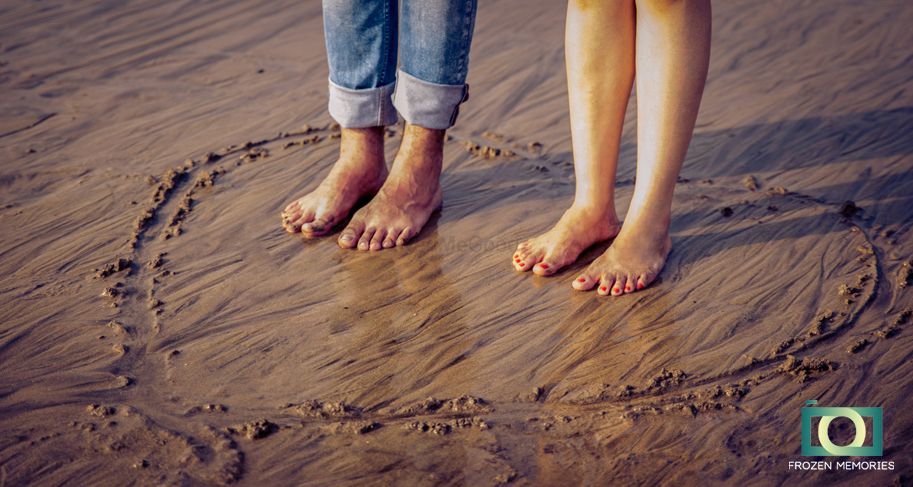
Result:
[[631, 263], [359, 173], [411, 193], [577, 229]]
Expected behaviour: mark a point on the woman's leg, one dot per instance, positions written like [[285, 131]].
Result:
[[673, 52], [361, 40], [599, 49], [434, 53]]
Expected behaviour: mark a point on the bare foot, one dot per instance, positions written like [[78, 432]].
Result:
[[359, 173], [411, 193], [631, 263], [577, 229]]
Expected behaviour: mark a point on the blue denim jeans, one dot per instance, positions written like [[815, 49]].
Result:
[[432, 38]]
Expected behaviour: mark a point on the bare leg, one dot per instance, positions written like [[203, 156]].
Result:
[[358, 173], [411, 193], [673, 51], [599, 48]]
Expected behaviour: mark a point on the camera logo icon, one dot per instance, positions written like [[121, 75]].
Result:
[[825, 447]]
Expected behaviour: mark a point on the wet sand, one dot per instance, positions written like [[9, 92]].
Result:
[[158, 326]]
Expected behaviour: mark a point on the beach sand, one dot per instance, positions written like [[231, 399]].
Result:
[[158, 326]]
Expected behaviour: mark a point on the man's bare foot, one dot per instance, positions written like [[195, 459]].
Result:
[[631, 263], [359, 173], [577, 229], [407, 199]]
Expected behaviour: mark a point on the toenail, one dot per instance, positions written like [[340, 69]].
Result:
[[603, 288], [627, 288], [615, 290], [580, 279], [543, 265], [640, 285], [345, 238]]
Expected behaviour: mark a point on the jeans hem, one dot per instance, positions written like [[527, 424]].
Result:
[[427, 104], [370, 107]]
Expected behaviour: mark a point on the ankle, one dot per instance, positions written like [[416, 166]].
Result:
[[595, 213], [421, 154], [652, 222], [427, 144], [422, 135], [362, 150], [645, 232]]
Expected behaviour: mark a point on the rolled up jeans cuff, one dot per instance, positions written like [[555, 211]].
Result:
[[371, 107], [427, 104]]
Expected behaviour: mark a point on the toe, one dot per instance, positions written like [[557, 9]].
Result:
[[349, 237], [645, 280], [519, 258], [290, 216], [605, 284], [527, 261], [390, 239], [293, 214], [545, 268], [618, 287], [364, 243], [317, 227], [287, 225], [517, 254], [584, 282], [405, 236], [629, 284], [377, 241], [294, 225], [520, 255]]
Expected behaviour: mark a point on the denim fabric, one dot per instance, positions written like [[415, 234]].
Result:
[[429, 105], [435, 39], [362, 43], [369, 107], [361, 38]]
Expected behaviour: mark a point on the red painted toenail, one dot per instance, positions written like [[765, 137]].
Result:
[[615, 290], [603, 288], [627, 288], [640, 285], [580, 279], [544, 266]]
